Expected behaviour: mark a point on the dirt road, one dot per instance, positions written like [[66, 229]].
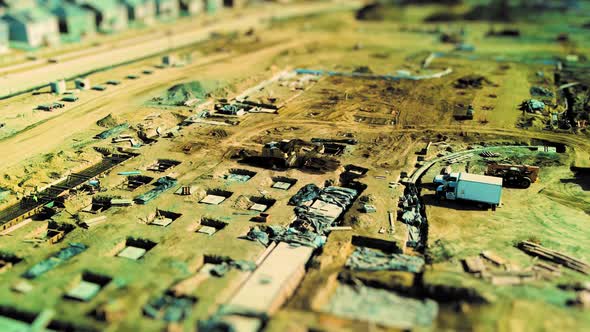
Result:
[[38, 77], [49, 135]]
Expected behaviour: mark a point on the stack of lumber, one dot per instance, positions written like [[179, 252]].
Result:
[[554, 256]]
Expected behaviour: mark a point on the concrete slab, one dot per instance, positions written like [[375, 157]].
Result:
[[213, 200], [162, 222], [327, 209], [282, 185], [85, 291], [133, 253], [207, 230], [259, 207]]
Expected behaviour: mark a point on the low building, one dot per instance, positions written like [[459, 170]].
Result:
[[141, 12], [213, 6], [111, 16], [74, 21], [33, 27], [167, 9]]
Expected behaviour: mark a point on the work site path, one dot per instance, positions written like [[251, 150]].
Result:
[[50, 134], [580, 144]]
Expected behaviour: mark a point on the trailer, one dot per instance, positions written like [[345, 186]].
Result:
[[473, 187]]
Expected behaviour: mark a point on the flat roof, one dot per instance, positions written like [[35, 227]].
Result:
[[480, 178], [266, 284]]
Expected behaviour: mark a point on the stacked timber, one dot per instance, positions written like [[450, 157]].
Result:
[[537, 250]]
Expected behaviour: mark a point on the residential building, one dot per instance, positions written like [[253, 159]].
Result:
[[33, 27], [75, 22], [142, 12]]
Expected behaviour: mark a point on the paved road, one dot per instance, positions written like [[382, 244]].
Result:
[[38, 77]]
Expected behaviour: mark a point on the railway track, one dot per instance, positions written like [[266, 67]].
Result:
[[32, 205]]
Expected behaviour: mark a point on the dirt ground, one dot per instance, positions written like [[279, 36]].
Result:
[[391, 119]]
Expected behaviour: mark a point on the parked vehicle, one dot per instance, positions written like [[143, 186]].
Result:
[[113, 82], [70, 98], [473, 187], [519, 176], [50, 107], [99, 87], [444, 178]]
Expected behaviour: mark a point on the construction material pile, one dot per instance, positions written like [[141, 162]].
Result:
[[56, 259], [163, 184], [316, 211], [366, 259], [267, 234], [471, 81], [412, 213], [381, 307], [328, 206], [306, 194], [537, 250]]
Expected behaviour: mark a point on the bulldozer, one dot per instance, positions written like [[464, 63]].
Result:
[[518, 176]]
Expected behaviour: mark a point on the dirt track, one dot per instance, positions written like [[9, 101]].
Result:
[[54, 132]]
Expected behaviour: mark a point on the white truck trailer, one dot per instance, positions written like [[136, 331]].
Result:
[[473, 187]]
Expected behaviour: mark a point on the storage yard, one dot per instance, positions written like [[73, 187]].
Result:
[[303, 173]]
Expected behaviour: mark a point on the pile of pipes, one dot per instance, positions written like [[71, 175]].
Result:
[[537, 250]]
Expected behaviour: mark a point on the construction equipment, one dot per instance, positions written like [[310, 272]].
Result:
[[519, 176]]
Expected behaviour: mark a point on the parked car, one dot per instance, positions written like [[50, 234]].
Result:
[[113, 82], [50, 107], [99, 87]]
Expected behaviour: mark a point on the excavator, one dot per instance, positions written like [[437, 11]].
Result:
[[518, 176]]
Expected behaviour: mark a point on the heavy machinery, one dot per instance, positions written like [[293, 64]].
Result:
[[519, 176]]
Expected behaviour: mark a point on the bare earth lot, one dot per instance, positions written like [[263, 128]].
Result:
[[391, 120]]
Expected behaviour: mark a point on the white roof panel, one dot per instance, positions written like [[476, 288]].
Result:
[[480, 178]]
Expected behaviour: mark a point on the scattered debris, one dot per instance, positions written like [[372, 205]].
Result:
[[366, 259], [53, 261], [471, 81]]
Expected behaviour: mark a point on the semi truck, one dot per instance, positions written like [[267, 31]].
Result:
[[473, 187]]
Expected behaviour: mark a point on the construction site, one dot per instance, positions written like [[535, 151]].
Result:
[[301, 166]]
